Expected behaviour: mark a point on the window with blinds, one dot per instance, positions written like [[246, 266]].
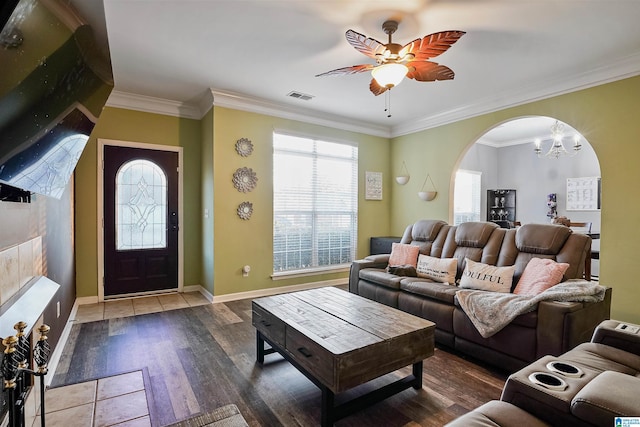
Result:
[[467, 197], [315, 203]]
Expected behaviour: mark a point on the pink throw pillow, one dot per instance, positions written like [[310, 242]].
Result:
[[403, 254], [539, 275]]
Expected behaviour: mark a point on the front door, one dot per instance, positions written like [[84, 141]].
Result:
[[140, 220]]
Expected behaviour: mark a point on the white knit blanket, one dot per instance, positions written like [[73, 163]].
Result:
[[492, 311]]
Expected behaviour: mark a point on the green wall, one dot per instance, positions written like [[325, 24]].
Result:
[[238, 242], [208, 179], [218, 246], [607, 117], [135, 126]]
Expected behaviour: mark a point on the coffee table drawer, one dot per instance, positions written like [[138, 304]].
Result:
[[314, 358], [269, 325]]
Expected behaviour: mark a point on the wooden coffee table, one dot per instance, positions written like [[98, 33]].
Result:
[[340, 340]]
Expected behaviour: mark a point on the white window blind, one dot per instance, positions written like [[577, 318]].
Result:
[[315, 203], [467, 197]]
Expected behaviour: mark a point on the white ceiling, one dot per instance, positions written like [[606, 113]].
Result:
[[257, 51]]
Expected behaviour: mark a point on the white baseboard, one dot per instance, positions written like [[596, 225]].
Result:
[[85, 300], [278, 290]]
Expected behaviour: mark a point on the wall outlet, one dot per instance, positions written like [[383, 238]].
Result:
[[58, 309]]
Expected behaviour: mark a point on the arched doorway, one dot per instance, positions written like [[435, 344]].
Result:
[[505, 158]]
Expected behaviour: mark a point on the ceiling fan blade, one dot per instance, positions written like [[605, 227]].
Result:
[[366, 45], [376, 89], [425, 71], [432, 45], [347, 70]]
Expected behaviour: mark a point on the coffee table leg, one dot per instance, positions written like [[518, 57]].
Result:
[[326, 419], [417, 373], [259, 347]]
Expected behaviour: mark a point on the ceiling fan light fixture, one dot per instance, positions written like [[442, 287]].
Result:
[[389, 75]]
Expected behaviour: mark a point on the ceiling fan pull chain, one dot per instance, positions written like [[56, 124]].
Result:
[[387, 102]]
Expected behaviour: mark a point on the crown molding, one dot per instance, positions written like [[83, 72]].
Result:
[[625, 68], [489, 143], [255, 105], [149, 104]]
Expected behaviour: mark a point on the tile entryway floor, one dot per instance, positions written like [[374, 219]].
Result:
[[114, 401], [135, 306], [120, 400]]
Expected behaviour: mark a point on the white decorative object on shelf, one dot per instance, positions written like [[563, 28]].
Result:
[[244, 179], [428, 196], [244, 147], [245, 209], [403, 179]]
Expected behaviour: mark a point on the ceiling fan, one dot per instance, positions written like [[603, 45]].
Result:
[[394, 61]]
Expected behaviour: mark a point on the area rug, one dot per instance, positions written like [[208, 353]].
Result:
[[226, 416]]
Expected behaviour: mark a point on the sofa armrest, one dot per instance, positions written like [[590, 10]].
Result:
[[625, 336], [564, 325], [379, 259], [373, 261]]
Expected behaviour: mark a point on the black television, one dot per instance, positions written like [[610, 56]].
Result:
[[54, 82]]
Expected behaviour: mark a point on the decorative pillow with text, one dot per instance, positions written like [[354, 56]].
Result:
[[539, 275], [437, 269], [477, 275], [403, 254]]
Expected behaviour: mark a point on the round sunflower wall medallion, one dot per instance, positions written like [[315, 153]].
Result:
[[244, 179], [244, 147], [245, 209]]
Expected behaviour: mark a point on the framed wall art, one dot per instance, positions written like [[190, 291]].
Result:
[[373, 186], [584, 194]]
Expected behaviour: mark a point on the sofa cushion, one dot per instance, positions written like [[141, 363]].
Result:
[[497, 413], [379, 276], [607, 396], [474, 234], [438, 291], [477, 275], [403, 254], [426, 230], [604, 358], [540, 274], [437, 269], [543, 239]]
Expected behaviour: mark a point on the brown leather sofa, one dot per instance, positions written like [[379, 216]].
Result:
[[554, 328], [594, 384]]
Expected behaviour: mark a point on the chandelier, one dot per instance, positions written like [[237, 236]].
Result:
[[557, 149]]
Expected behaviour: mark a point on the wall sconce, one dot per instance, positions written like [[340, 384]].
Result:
[[429, 195], [403, 179]]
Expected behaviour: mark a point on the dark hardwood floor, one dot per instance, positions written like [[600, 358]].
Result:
[[201, 358]]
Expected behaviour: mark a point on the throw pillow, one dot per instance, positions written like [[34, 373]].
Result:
[[539, 275], [402, 270], [403, 254], [437, 269], [477, 275]]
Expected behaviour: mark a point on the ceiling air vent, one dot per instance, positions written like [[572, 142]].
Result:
[[300, 95]]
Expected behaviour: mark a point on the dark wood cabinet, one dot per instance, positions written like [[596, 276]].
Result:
[[501, 206]]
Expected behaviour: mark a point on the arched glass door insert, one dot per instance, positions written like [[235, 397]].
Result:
[[141, 206]]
